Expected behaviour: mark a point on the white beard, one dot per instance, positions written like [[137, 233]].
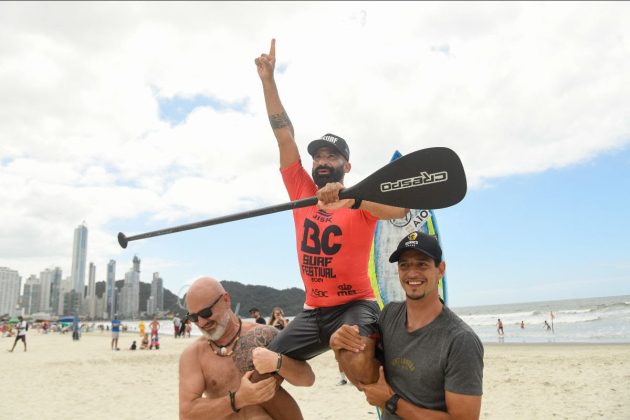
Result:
[[219, 330]]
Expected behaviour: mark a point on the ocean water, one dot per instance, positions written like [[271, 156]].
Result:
[[592, 320]]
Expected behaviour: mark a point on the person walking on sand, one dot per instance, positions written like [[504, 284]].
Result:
[[499, 327], [215, 370], [21, 327], [431, 362], [333, 239], [115, 332], [522, 325]]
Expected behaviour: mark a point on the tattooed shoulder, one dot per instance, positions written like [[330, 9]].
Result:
[[259, 336]]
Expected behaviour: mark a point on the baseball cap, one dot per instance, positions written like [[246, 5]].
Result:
[[419, 241], [330, 140]]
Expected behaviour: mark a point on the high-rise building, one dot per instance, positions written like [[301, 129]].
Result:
[[157, 293], [64, 288], [48, 278], [32, 296], [130, 305], [10, 285], [110, 289], [90, 299], [55, 289], [79, 257]]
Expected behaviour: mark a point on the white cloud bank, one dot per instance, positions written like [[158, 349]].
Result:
[[513, 88]]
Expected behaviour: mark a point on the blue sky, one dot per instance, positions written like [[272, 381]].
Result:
[[139, 117]]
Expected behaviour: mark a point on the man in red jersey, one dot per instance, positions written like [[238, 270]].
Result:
[[333, 242]]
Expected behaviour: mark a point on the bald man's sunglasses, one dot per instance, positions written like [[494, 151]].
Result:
[[204, 313]]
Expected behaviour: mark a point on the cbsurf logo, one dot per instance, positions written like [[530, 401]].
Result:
[[423, 179]]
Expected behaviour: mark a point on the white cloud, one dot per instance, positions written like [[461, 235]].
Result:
[[513, 88]]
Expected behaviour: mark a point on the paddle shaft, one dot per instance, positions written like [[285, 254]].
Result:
[[305, 202]]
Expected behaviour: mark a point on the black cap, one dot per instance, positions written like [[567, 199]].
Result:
[[330, 140], [254, 310], [419, 241]]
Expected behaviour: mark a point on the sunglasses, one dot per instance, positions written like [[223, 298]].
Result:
[[204, 313]]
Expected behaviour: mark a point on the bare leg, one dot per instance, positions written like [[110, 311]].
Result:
[[282, 406], [361, 366]]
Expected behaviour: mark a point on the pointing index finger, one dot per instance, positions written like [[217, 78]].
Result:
[[272, 50]]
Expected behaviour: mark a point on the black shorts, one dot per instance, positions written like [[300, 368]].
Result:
[[20, 337], [308, 334]]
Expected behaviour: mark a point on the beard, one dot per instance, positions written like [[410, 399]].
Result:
[[335, 175], [219, 330]]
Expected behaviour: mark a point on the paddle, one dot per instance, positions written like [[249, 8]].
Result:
[[430, 178]]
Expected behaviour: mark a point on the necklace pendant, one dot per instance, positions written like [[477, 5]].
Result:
[[223, 351]]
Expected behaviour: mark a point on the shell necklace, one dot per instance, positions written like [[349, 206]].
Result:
[[223, 350]]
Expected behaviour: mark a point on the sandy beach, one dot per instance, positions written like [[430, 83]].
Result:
[[63, 379]]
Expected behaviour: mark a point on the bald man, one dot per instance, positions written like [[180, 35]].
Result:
[[215, 372]]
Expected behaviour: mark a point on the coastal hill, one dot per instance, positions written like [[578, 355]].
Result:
[[262, 297]]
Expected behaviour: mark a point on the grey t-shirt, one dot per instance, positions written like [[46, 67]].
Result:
[[421, 365]]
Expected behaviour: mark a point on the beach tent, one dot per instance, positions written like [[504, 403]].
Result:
[[67, 319]]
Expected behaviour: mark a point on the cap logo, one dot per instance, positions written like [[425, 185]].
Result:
[[331, 139], [411, 244], [413, 236]]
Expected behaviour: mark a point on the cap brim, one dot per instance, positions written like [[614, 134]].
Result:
[[396, 254]]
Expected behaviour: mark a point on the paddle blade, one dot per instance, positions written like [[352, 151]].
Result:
[[431, 178]]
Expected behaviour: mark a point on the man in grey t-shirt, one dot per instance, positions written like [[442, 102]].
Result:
[[431, 360]]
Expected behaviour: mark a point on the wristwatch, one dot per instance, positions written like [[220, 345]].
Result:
[[392, 404]]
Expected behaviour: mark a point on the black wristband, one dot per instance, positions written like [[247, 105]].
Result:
[[279, 363], [233, 401], [357, 203]]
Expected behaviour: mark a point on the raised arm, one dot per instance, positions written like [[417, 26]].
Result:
[[278, 118]]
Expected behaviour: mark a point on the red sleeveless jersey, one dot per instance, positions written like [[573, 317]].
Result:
[[333, 247]]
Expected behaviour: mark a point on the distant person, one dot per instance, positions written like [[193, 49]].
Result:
[[182, 327], [187, 327], [499, 326], [22, 328], [177, 322], [547, 326], [522, 325], [144, 344], [75, 328], [141, 327], [277, 318], [115, 332], [255, 313], [155, 339], [431, 363], [215, 371], [133, 345]]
